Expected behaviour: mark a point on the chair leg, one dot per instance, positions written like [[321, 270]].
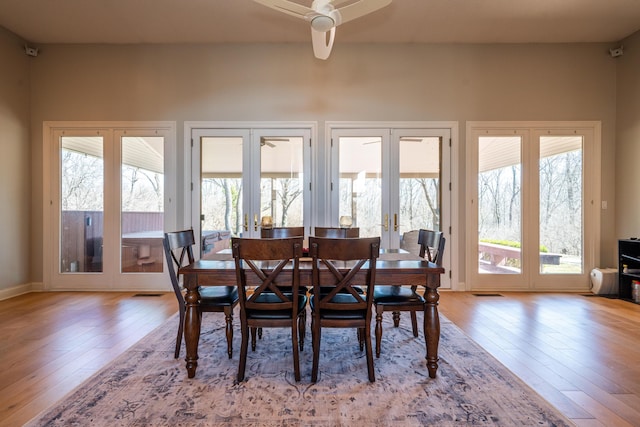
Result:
[[315, 343], [379, 312], [242, 363], [228, 314], [253, 338], [302, 321], [294, 346], [180, 331], [369, 350], [414, 323], [396, 319], [361, 338], [259, 333]]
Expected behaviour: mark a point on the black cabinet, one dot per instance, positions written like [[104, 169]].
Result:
[[628, 266]]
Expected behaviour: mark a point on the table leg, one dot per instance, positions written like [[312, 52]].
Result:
[[191, 325], [432, 327]]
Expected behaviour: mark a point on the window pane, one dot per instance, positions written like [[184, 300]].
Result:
[[419, 183], [499, 205], [281, 180], [82, 204], [560, 170], [221, 192], [142, 195], [361, 182]]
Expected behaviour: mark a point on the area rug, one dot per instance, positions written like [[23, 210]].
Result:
[[146, 386]]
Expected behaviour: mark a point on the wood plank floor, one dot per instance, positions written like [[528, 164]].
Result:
[[581, 353]]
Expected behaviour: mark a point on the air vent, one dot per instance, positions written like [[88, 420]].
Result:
[[147, 295], [487, 295]]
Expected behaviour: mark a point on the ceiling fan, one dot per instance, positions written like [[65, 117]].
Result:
[[269, 142], [325, 16]]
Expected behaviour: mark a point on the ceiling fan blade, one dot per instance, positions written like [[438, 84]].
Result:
[[360, 8], [268, 141], [321, 45], [288, 7]]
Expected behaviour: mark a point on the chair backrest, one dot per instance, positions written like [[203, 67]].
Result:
[[340, 263], [178, 249], [281, 232], [432, 245], [409, 242], [336, 233], [260, 264]]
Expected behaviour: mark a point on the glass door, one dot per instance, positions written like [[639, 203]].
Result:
[[363, 199], [281, 179], [423, 201], [108, 208], [527, 209], [247, 179], [141, 203], [564, 241], [389, 182], [221, 187], [81, 202]]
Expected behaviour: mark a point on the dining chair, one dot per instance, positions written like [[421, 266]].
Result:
[[336, 232], [178, 249], [342, 264], [281, 232], [399, 298], [263, 304], [277, 233]]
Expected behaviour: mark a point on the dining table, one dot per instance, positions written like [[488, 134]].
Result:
[[393, 267]]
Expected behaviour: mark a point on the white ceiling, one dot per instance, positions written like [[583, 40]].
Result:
[[244, 21]]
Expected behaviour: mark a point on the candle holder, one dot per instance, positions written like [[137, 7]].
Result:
[[266, 222], [346, 221]]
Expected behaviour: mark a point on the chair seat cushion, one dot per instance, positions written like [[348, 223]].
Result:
[[341, 298], [218, 295], [387, 294], [274, 314]]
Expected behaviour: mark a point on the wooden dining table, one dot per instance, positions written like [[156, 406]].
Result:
[[393, 267]]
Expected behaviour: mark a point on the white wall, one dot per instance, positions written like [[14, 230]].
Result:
[[628, 136], [15, 179], [358, 82]]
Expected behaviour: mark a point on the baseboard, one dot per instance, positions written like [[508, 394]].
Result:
[[21, 289]]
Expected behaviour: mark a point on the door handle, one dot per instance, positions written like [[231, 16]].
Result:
[[395, 222], [386, 222], [255, 222], [246, 222]]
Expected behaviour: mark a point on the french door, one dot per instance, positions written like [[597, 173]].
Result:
[[107, 195], [247, 178], [391, 182], [532, 207]]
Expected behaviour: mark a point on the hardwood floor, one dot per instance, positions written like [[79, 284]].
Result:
[[581, 353], [52, 342]]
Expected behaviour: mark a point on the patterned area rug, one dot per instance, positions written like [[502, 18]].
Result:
[[146, 386]]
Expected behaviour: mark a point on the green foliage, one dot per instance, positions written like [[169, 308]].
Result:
[[511, 244]]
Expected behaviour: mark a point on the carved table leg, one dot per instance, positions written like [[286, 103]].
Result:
[[432, 324], [191, 324]]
